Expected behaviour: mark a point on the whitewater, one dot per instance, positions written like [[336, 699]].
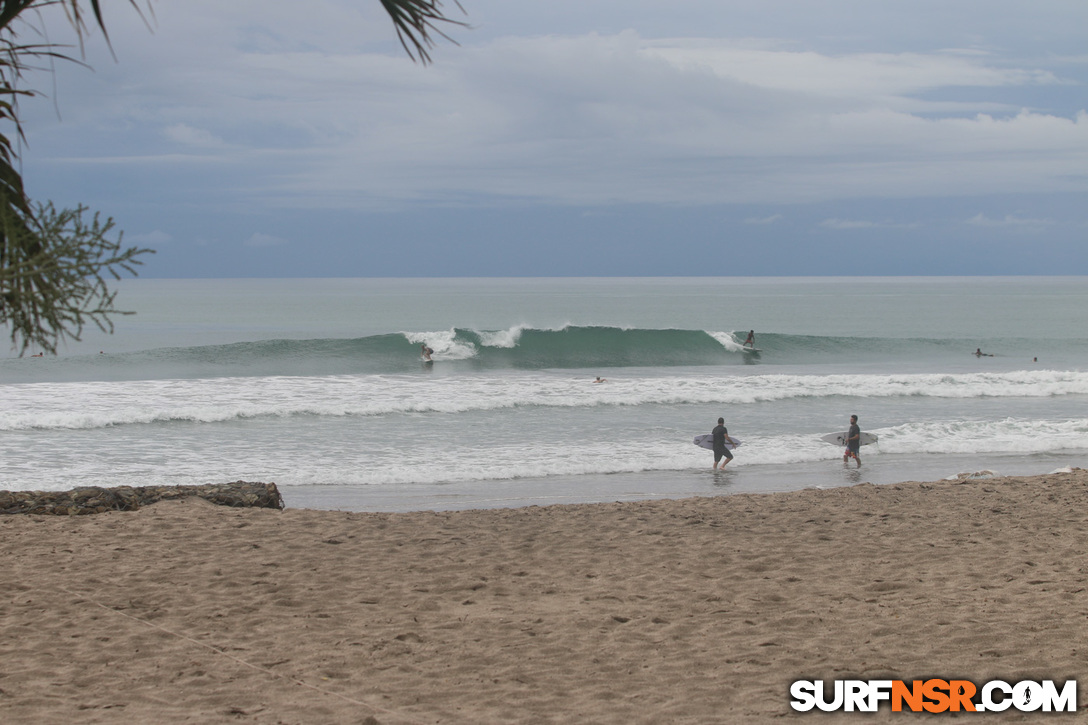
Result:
[[318, 386]]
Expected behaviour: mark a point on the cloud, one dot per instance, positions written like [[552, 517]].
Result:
[[1010, 222], [153, 239], [846, 224], [291, 107], [598, 120], [861, 224], [185, 134], [864, 78], [259, 239], [764, 220]]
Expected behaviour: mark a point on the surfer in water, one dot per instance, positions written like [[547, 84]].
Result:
[[853, 442], [721, 437], [751, 340], [426, 352], [601, 380]]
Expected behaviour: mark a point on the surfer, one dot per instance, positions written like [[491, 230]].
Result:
[[721, 436], [980, 353], [601, 380], [751, 340], [426, 352], [853, 442]]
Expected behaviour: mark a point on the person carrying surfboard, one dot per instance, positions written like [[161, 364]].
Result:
[[721, 436], [853, 442]]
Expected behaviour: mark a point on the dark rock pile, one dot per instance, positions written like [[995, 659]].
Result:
[[96, 500]]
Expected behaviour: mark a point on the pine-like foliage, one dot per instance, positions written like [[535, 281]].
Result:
[[55, 266]]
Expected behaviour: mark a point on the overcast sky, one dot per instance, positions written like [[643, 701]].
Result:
[[578, 137]]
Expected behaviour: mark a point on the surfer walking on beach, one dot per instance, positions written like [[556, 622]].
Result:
[[853, 442], [720, 438]]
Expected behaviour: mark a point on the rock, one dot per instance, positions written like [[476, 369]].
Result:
[[96, 499]]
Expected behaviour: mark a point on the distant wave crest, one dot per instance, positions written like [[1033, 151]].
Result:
[[519, 347]]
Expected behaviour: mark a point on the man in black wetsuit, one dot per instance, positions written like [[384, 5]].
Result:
[[853, 442], [721, 437]]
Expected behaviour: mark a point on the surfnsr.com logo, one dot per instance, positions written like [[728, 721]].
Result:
[[933, 695]]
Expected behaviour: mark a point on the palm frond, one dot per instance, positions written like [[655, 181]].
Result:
[[416, 20]]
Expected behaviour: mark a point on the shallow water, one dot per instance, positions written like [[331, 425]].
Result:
[[318, 386]]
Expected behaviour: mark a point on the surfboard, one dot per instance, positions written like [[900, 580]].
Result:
[[752, 349], [839, 439], [707, 441]]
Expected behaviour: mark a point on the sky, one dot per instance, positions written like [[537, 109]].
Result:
[[268, 138]]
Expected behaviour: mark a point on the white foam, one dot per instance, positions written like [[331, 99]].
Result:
[[1010, 435], [445, 344], [973, 476], [502, 338], [726, 340], [104, 404]]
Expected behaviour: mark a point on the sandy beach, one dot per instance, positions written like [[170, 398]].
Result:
[[699, 610]]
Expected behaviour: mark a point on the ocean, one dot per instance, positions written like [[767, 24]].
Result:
[[318, 385]]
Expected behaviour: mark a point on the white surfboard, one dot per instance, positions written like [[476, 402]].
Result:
[[707, 441], [839, 439], [752, 349]]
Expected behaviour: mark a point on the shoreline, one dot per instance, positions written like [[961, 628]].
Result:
[[694, 610], [661, 485]]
